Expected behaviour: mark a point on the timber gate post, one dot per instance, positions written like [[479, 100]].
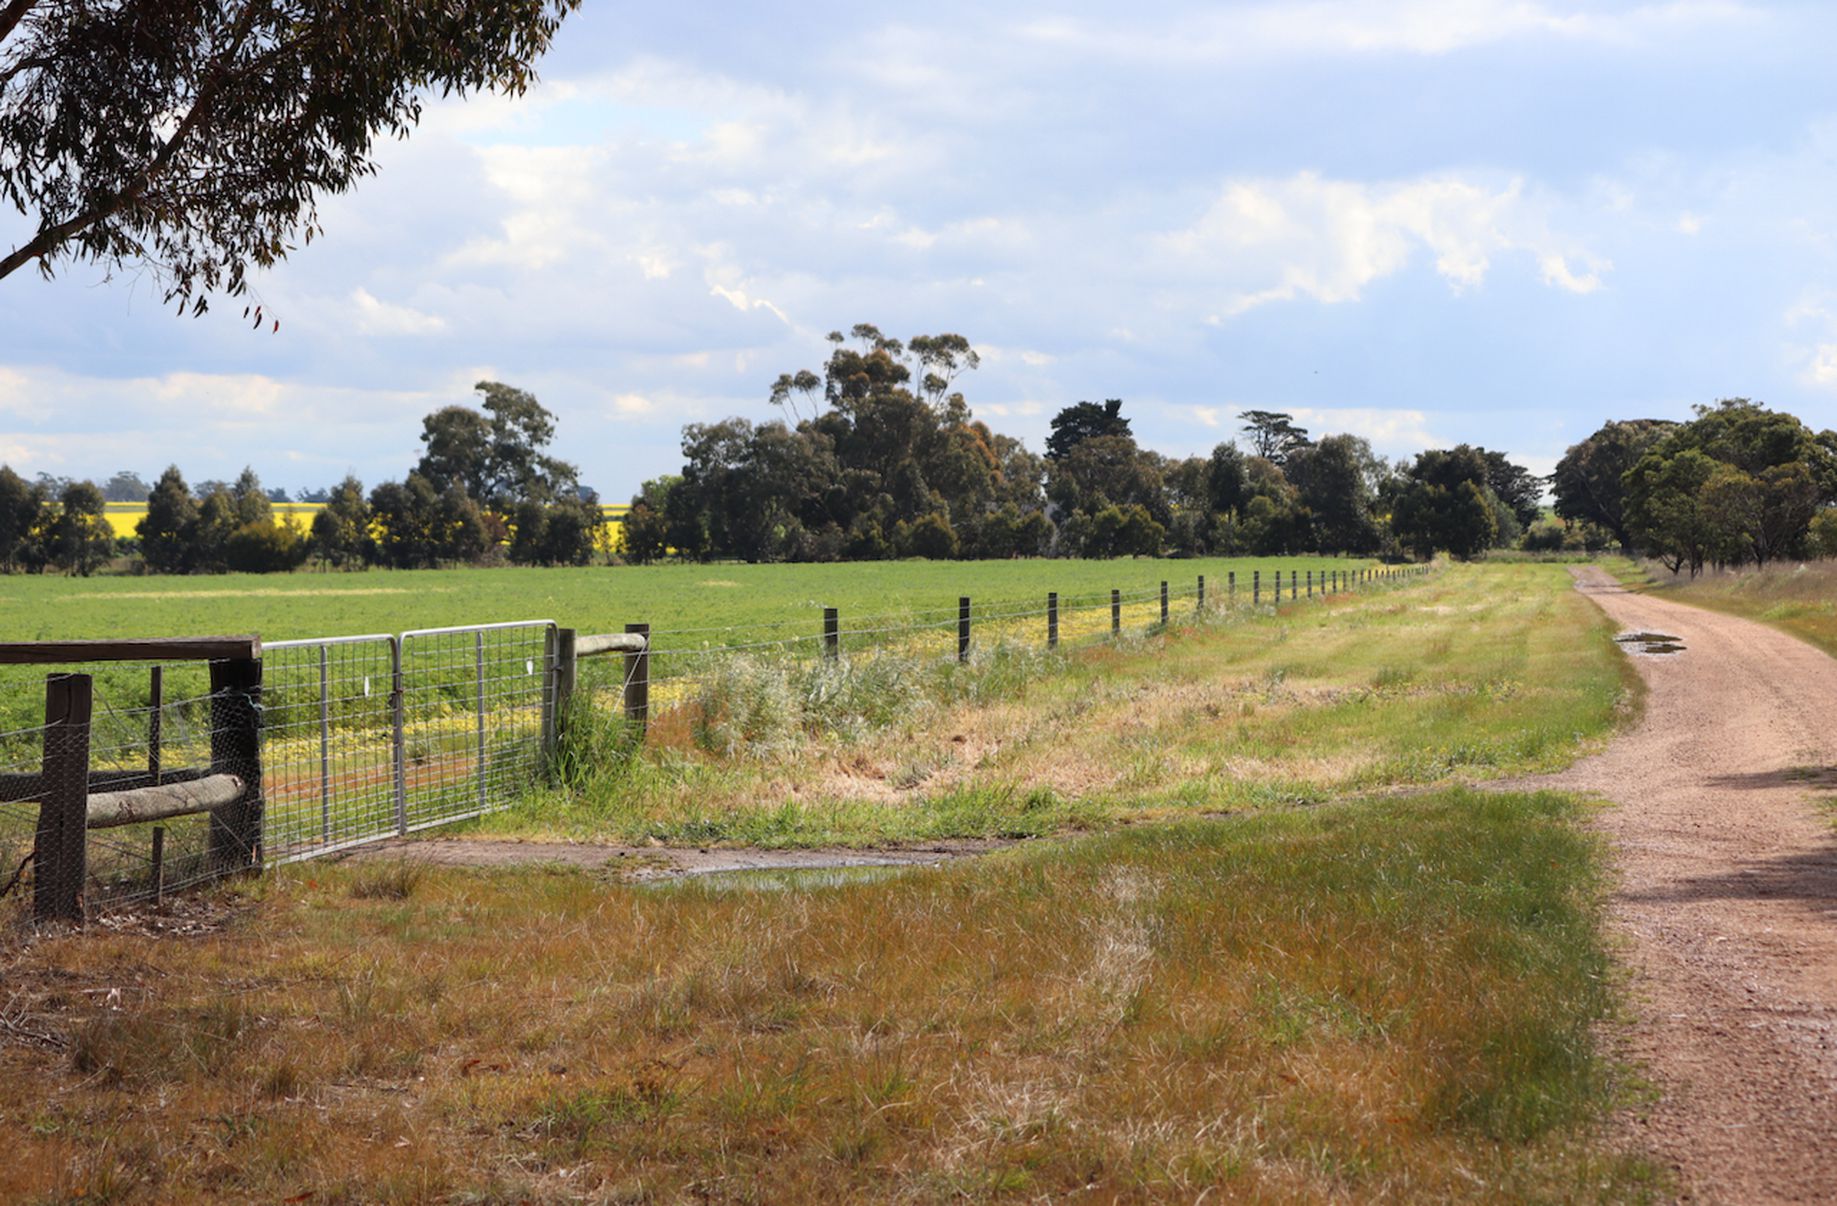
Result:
[[638, 681], [236, 749], [61, 850]]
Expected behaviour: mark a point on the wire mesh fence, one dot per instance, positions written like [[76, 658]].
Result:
[[329, 743], [477, 706], [151, 785], [193, 768]]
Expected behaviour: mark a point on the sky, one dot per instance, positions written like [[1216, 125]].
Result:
[[1424, 222]]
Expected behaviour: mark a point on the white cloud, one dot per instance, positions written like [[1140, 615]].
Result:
[[1821, 369], [1391, 431], [632, 404], [382, 318], [1207, 415], [1278, 240]]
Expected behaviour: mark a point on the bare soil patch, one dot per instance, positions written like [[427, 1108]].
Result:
[[1727, 898]]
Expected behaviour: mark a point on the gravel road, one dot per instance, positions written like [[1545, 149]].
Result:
[[1727, 898]]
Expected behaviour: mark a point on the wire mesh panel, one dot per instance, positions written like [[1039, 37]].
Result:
[[477, 703], [328, 744]]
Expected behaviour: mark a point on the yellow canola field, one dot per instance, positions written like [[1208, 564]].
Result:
[[125, 517]]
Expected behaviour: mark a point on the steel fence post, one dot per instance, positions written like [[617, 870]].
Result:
[[398, 751], [325, 747], [484, 779]]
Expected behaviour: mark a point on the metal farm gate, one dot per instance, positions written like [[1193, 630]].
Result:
[[369, 737]]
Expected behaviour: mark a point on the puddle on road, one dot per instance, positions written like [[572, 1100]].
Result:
[[1657, 644], [777, 879]]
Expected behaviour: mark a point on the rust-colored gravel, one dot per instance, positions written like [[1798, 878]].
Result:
[[1727, 899]]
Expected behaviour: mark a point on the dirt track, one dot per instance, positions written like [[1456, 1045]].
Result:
[[1728, 899]]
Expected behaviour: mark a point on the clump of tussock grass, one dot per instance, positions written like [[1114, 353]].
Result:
[[764, 707], [387, 879]]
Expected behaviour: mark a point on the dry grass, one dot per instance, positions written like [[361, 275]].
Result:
[[1385, 1001], [1476, 672], [1800, 598]]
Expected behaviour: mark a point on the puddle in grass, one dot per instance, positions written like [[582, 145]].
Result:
[[1656, 644], [785, 879]]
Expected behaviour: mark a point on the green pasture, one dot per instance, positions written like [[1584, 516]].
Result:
[[753, 601]]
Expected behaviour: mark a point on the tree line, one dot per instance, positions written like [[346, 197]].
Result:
[[1738, 484], [879, 456], [484, 490]]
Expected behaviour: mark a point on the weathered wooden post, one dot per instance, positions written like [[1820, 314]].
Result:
[[1116, 612], [1201, 605], [156, 703], [1310, 584], [963, 628], [1052, 619], [1164, 604], [1294, 584], [1256, 588], [564, 668], [236, 749], [832, 634], [159, 867], [638, 681], [61, 847], [1231, 589]]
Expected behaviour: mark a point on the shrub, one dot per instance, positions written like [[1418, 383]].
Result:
[[266, 547]]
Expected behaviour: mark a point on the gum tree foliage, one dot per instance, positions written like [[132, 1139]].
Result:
[[877, 456], [1445, 504], [20, 503], [1082, 421], [497, 455], [1589, 482], [341, 528], [197, 137], [1738, 483], [1273, 434], [125, 486], [1336, 483]]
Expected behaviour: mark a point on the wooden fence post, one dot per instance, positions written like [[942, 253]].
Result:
[[1231, 589], [1256, 588], [1052, 619], [832, 634], [1310, 584], [1116, 612], [561, 691], [61, 848], [1201, 605], [1163, 604], [156, 702], [236, 749], [963, 628], [1294, 584], [638, 681]]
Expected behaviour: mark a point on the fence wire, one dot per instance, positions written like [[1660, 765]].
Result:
[[367, 737]]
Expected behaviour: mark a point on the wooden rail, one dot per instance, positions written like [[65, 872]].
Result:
[[154, 649]]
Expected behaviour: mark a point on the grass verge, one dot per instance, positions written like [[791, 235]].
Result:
[[1797, 597], [1386, 1000], [1472, 673]]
